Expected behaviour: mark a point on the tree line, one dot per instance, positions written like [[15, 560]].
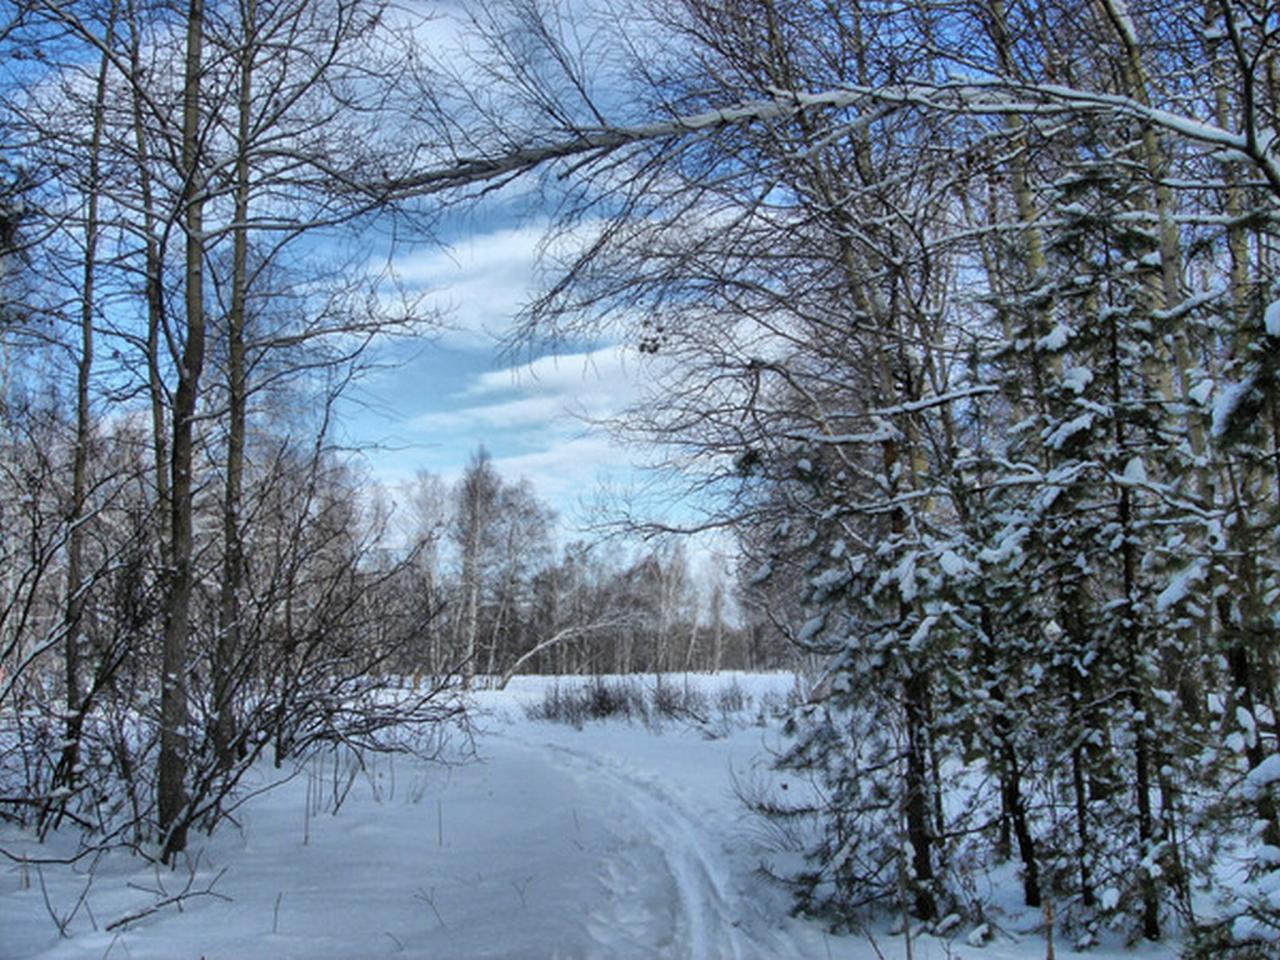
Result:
[[508, 599]]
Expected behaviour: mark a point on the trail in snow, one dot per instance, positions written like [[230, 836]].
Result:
[[704, 919], [614, 842]]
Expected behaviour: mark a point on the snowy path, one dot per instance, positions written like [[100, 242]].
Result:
[[667, 882], [608, 843], [552, 846]]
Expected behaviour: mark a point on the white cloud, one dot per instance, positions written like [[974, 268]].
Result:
[[566, 470], [613, 366], [553, 394], [479, 284], [506, 249], [540, 421], [522, 412]]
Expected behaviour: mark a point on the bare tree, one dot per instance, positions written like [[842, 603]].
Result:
[[475, 501]]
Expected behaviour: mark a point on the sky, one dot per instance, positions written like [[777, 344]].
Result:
[[442, 397]]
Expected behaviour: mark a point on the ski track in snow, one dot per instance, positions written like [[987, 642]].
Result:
[[701, 910], [610, 843]]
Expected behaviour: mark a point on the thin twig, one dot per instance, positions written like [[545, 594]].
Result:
[[430, 900], [175, 900]]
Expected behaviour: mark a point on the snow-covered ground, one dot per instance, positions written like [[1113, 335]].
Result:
[[615, 840]]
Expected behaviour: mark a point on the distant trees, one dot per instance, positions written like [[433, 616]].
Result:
[[475, 499], [505, 601]]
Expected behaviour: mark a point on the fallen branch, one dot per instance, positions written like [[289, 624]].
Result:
[[176, 900], [568, 633]]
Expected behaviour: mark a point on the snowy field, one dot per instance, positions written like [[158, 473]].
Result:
[[620, 839]]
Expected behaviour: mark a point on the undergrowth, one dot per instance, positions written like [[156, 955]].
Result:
[[654, 700]]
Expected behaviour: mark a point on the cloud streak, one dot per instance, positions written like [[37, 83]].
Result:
[[541, 421], [479, 285]]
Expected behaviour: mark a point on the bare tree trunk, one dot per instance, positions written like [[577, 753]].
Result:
[[470, 623], [435, 654], [174, 740], [691, 650], [717, 626], [1142, 747], [476, 497], [155, 302], [499, 625], [74, 614], [916, 793], [229, 627]]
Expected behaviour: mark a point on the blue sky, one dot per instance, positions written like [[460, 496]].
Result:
[[448, 394]]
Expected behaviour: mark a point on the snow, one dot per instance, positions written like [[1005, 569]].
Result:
[[1118, 10], [1063, 434], [1008, 545], [811, 628], [952, 564], [921, 635], [1198, 299], [1271, 319], [1179, 587], [906, 577], [1228, 402], [1263, 775], [978, 937], [1076, 379], [830, 580], [1055, 340], [613, 841], [1135, 471]]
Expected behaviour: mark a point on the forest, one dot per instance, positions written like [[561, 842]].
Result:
[[960, 318]]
